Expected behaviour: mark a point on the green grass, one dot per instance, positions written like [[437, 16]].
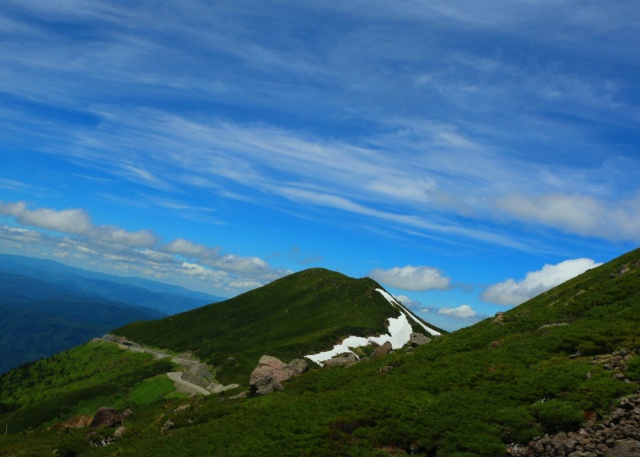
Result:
[[75, 382], [300, 314], [468, 393]]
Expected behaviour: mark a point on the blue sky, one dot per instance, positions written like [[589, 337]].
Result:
[[466, 155]]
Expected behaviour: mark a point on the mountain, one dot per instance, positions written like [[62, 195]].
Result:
[[40, 319], [300, 314], [167, 299], [47, 307], [540, 369]]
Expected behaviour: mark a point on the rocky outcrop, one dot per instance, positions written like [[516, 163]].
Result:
[[617, 435], [106, 417], [342, 360], [382, 350], [271, 372], [418, 339]]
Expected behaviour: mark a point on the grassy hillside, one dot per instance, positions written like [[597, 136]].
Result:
[[558, 359], [300, 314], [75, 382]]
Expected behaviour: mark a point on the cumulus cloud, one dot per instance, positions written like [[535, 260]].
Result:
[[76, 222], [461, 312], [411, 278], [511, 292], [108, 247], [212, 257]]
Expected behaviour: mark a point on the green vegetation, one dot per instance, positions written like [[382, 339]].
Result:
[[300, 314], [550, 364], [79, 381]]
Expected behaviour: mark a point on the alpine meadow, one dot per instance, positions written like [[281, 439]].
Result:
[[552, 366]]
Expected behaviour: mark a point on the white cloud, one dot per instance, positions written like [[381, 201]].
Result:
[[76, 222], [408, 302], [188, 249], [108, 247], [461, 312], [582, 214], [411, 278], [511, 292]]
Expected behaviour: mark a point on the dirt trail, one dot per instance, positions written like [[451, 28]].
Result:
[[174, 376]]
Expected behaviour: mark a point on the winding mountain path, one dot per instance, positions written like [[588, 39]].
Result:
[[175, 376], [192, 388]]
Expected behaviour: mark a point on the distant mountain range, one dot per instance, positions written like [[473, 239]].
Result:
[[166, 298], [47, 307]]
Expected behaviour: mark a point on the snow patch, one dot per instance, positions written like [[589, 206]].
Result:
[[399, 335], [393, 301]]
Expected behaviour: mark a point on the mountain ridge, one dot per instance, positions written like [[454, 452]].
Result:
[[304, 312], [540, 369]]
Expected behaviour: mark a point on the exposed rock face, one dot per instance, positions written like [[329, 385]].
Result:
[[418, 339], [271, 372], [297, 367], [346, 359], [499, 319], [106, 417], [617, 435], [382, 350]]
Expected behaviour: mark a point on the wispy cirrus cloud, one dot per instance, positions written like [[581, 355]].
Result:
[[432, 151]]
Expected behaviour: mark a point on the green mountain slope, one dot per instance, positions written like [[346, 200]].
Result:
[[547, 365], [300, 314]]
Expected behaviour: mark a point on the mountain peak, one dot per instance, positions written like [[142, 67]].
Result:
[[304, 313]]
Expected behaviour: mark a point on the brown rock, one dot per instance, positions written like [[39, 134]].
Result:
[[418, 339], [382, 350], [271, 372], [346, 359], [106, 417]]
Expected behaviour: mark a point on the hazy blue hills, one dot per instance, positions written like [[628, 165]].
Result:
[[47, 307], [166, 298], [40, 319]]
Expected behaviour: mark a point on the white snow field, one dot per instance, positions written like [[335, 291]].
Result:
[[399, 334]]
